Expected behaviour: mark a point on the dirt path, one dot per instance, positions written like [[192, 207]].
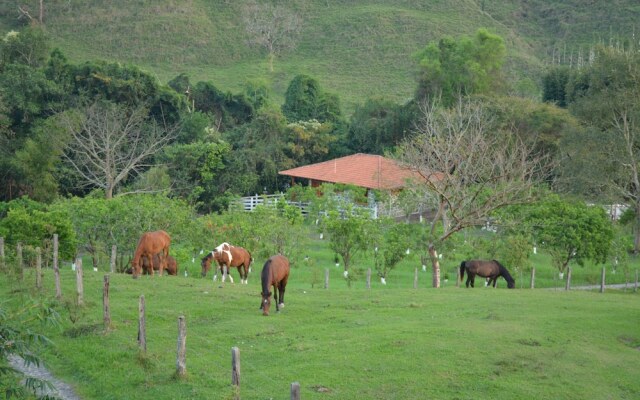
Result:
[[60, 389]]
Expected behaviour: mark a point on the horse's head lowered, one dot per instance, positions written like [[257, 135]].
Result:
[[206, 264], [266, 303]]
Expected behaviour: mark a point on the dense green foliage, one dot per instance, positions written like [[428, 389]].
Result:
[[571, 231]]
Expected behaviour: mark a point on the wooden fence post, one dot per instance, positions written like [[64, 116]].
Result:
[[415, 279], [567, 285], [602, 280], [635, 287], [38, 268], [369, 278], [106, 312], [235, 368], [19, 260], [79, 283], [458, 277], [533, 277], [181, 361], [142, 328], [2, 265], [113, 258], [56, 267], [295, 391], [326, 278]]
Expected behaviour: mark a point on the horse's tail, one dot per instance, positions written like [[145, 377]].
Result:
[[462, 264]]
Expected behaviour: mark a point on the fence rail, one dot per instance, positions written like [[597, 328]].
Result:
[[249, 203]]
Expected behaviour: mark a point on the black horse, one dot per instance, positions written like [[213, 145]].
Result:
[[487, 269]]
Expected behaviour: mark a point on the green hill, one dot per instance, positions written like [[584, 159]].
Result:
[[355, 48]]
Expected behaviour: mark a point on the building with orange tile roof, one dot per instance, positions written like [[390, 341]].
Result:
[[364, 170]]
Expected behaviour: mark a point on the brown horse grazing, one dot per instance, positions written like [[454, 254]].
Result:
[[150, 244], [170, 265], [274, 273], [228, 256], [486, 269]]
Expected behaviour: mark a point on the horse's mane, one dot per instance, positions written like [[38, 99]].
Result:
[[266, 272], [208, 256], [503, 271]]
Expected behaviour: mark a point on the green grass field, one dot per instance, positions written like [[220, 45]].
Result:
[[389, 342]]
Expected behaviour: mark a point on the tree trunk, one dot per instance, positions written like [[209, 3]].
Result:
[[435, 264], [271, 57]]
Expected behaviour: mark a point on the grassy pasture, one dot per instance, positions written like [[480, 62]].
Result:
[[390, 342]]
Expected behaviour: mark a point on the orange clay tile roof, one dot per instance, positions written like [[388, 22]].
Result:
[[365, 170]]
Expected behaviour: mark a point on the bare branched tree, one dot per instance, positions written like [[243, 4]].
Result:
[[469, 169], [110, 143], [273, 27]]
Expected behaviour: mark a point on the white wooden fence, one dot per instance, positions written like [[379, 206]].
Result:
[[249, 203]]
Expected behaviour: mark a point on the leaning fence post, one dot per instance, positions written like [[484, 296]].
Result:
[[326, 278], [369, 278], [106, 312], [533, 277], [415, 279], [567, 285], [38, 268], [602, 280], [295, 391], [79, 284], [113, 258], [181, 361], [142, 328], [56, 267], [235, 369]]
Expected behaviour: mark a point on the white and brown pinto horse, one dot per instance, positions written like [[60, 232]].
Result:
[[227, 256]]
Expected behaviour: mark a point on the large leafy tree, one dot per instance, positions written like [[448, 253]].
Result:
[[570, 230], [378, 125], [306, 100], [198, 173], [29, 47], [34, 224], [308, 142], [227, 110], [260, 150], [450, 67]]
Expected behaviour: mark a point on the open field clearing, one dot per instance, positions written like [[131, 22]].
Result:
[[343, 343]]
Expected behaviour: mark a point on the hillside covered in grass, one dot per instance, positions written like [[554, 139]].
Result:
[[357, 49]]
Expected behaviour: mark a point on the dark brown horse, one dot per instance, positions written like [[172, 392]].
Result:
[[486, 269], [150, 244], [227, 256], [274, 273], [170, 265]]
